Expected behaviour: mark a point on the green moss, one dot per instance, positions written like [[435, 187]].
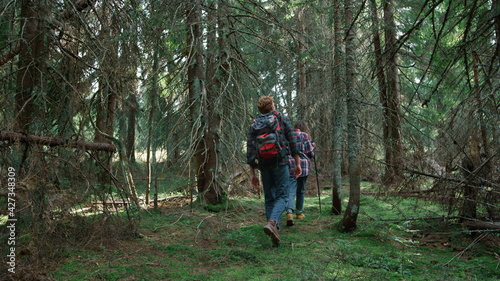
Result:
[[197, 244]]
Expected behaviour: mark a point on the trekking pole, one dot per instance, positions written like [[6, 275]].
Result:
[[317, 182]]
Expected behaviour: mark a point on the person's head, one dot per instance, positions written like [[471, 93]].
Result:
[[302, 126], [266, 104]]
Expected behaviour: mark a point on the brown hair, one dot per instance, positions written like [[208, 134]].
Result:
[[265, 104], [302, 126]]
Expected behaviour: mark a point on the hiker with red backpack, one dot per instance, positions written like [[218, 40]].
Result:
[[270, 141], [297, 189]]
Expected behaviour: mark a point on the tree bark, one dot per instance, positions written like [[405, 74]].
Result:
[[494, 65], [380, 76], [9, 55], [217, 75], [150, 144], [482, 225], [391, 104], [67, 14], [340, 113], [133, 108], [109, 85], [196, 89], [349, 221], [78, 6], [31, 61], [301, 62], [471, 166], [129, 59]]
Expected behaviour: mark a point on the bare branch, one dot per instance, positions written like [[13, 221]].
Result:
[[55, 141]]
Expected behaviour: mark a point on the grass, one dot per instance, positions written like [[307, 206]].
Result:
[[183, 242], [195, 244]]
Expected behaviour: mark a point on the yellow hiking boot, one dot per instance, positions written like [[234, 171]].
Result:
[[289, 219]]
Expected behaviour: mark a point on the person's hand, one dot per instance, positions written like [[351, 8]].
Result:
[[255, 182], [298, 171]]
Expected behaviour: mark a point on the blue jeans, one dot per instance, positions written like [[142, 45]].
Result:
[[297, 189], [275, 182]]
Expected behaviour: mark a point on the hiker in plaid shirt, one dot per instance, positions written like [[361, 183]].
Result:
[[298, 185]]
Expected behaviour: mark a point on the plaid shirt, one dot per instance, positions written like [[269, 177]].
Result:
[[291, 137], [306, 149]]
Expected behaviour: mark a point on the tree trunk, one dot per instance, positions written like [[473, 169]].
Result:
[[151, 140], [379, 73], [196, 89], [31, 63], [63, 98], [473, 168], [339, 113], [109, 87], [217, 76], [129, 59], [133, 108], [151, 135], [470, 165], [493, 72], [301, 63], [391, 104], [349, 220]]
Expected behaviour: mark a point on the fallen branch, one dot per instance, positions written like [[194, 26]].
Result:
[[467, 248], [55, 141], [472, 225], [396, 193], [419, 218], [415, 172], [482, 225], [171, 197]]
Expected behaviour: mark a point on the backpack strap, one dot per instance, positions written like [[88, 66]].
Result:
[[283, 143]]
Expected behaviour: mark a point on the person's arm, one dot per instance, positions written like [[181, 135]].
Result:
[[292, 137], [251, 156], [295, 150], [298, 168], [308, 146], [254, 179]]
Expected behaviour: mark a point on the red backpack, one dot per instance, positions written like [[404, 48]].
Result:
[[270, 143]]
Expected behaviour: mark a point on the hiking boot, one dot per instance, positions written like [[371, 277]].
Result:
[[289, 219], [300, 216], [272, 231]]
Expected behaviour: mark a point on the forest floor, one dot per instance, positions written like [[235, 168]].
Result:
[[181, 242]]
